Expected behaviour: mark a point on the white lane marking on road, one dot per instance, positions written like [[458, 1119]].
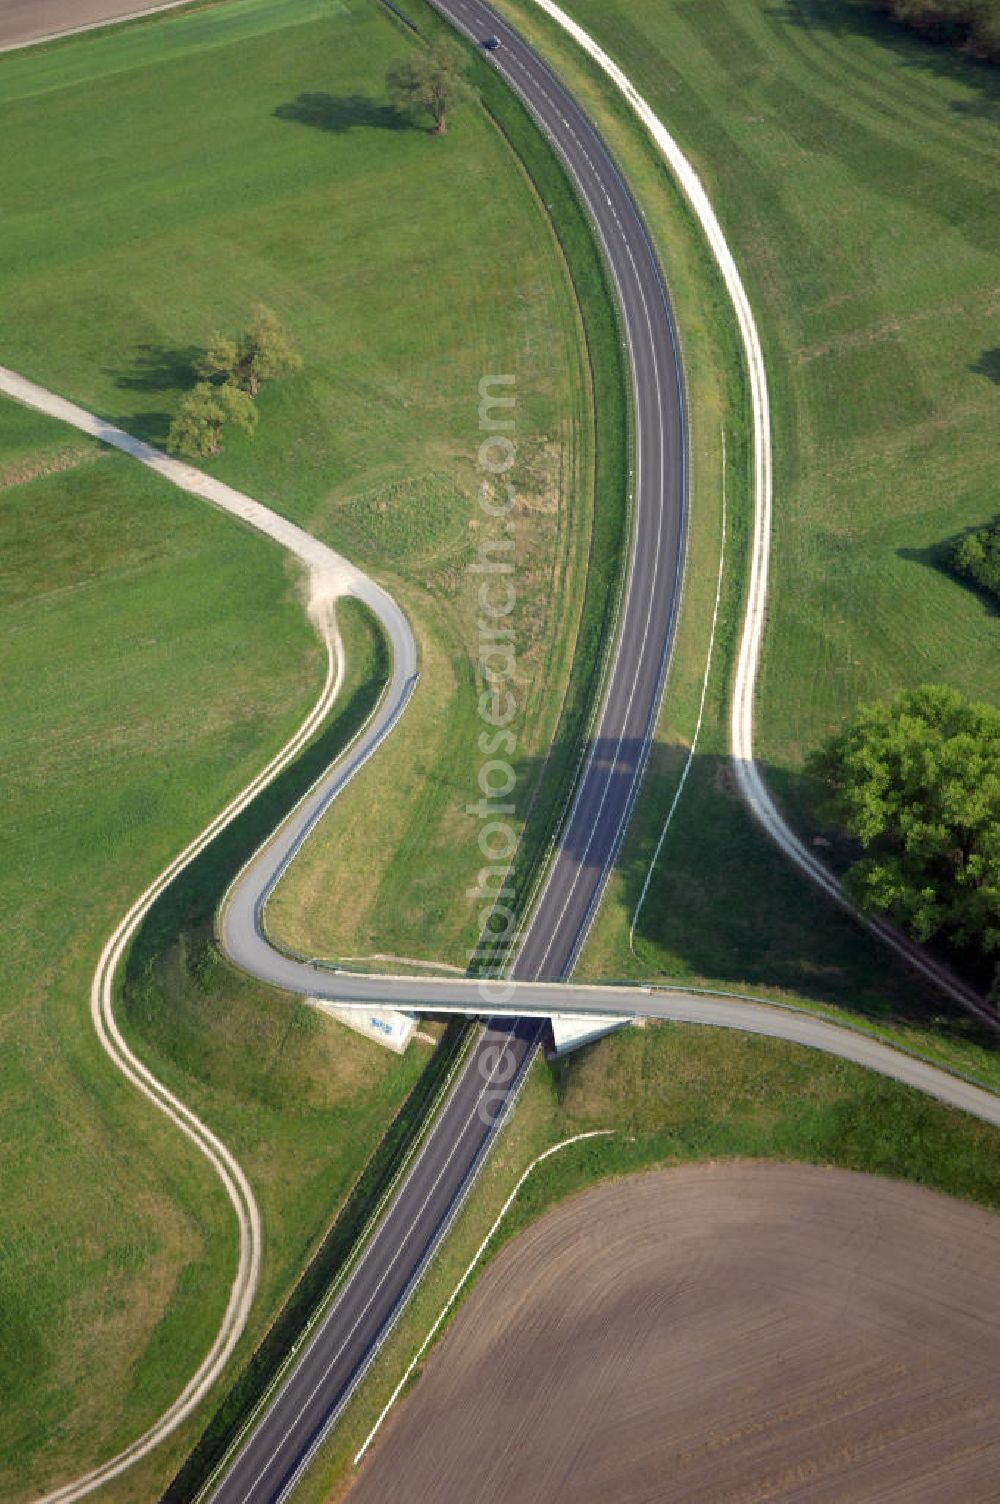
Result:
[[592, 833], [394, 1396], [582, 780], [643, 752], [511, 1100], [387, 1331], [701, 715], [485, 1087]]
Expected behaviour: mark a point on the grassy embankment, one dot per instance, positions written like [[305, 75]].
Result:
[[171, 646], [157, 655], [847, 164], [674, 1093], [677, 1093], [373, 447], [411, 902]]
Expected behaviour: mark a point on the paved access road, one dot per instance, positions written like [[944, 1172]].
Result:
[[617, 753], [305, 1406], [349, 1335]]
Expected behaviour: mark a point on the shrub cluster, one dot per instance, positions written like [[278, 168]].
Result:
[[232, 372], [976, 557], [972, 24], [917, 782]]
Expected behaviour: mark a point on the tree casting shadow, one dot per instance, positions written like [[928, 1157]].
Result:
[[724, 902], [936, 558], [156, 368]]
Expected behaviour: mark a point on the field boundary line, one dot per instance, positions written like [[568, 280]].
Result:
[[106, 23], [453, 1297]]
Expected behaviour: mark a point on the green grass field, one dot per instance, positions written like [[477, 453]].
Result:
[[159, 180], [120, 601], [847, 167], [157, 235], [851, 168], [398, 850]]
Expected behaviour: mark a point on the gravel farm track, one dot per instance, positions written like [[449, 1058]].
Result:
[[750, 1331]]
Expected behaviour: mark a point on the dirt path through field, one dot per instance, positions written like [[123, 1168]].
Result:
[[718, 1334]]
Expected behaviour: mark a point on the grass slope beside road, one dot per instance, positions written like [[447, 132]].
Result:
[[854, 177], [174, 657], [408, 905], [161, 234], [848, 302], [158, 654], [121, 602]]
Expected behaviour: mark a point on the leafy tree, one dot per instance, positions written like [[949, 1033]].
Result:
[[917, 781], [976, 557], [430, 81], [197, 429], [221, 361], [264, 352], [972, 24]]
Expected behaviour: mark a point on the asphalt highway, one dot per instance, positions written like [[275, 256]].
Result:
[[280, 1442], [616, 754], [305, 1405], [351, 1332]]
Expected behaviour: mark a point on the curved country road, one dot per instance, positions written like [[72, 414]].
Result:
[[283, 1439], [752, 784], [303, 1407]]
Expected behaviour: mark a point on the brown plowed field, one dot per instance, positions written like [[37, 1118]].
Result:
[[718, 1334], [30, 20]]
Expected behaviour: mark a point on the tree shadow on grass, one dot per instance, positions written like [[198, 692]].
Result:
[[726, 904], [151, 427], [938, 56], [339, 113], [978, 109], [936, 558], [156, 368], [988, 365], [160, 368]]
